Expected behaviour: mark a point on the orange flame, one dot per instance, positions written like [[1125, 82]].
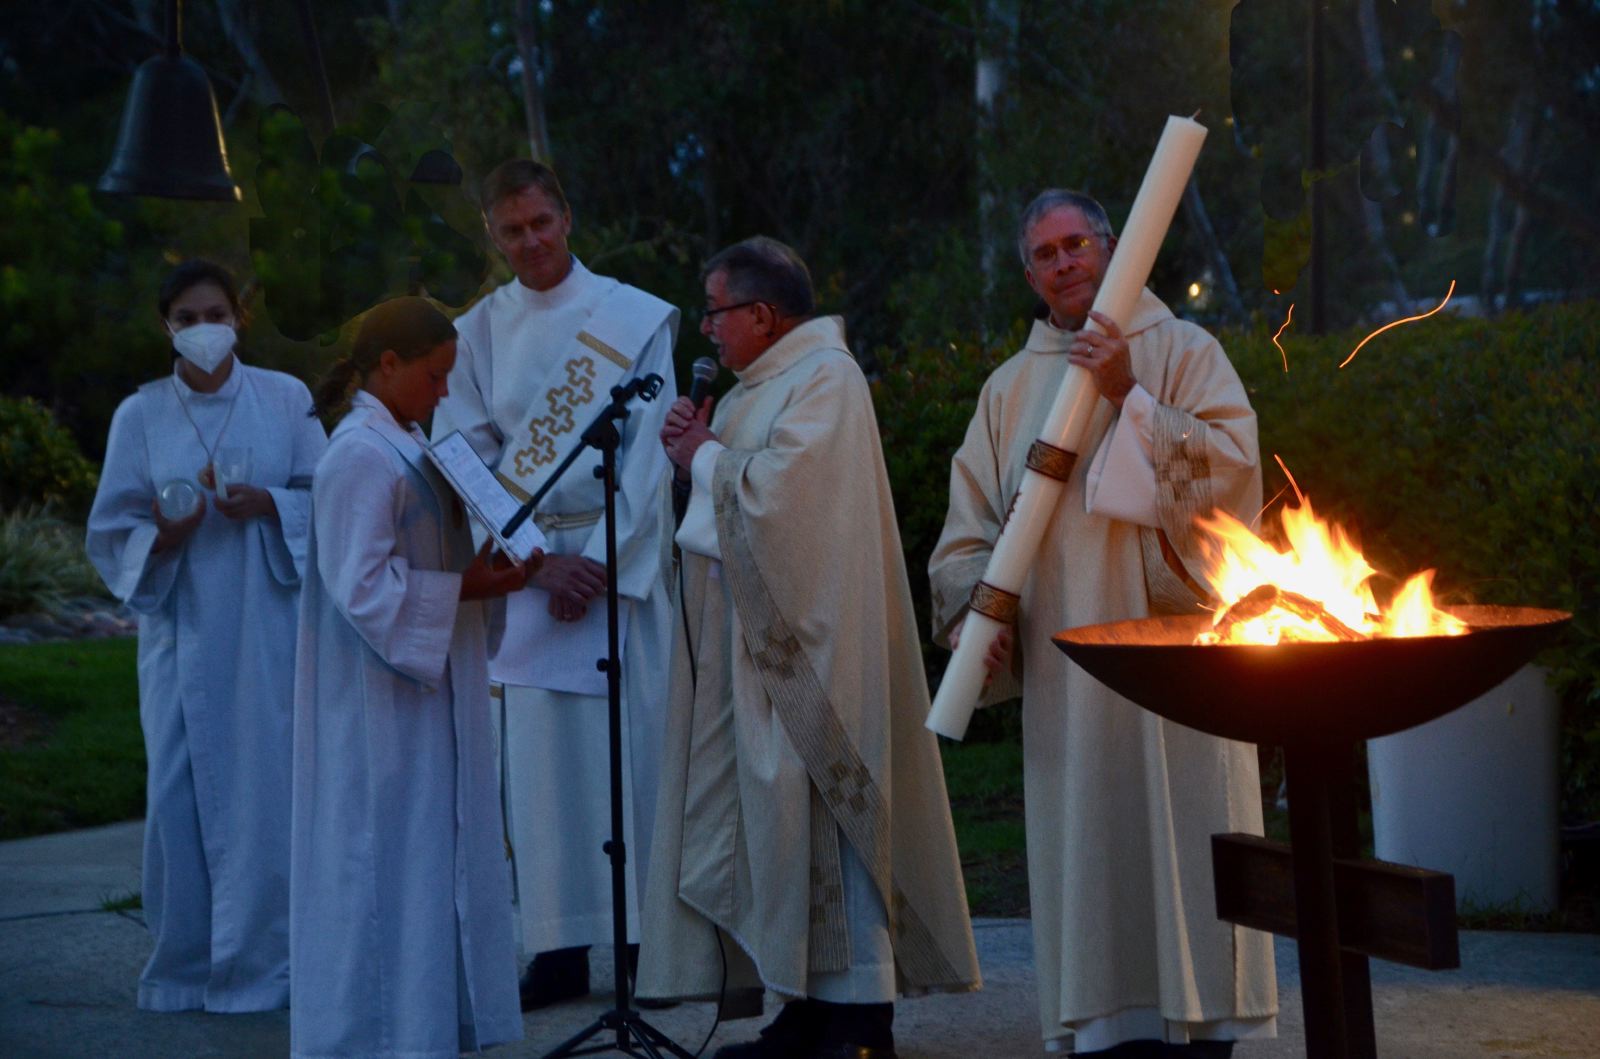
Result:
[[1322, 572], [1397, 323]]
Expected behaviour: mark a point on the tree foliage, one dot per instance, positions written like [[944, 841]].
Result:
[[849, 129]]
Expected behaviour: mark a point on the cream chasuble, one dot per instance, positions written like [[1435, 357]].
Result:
[[795, 742], [533, 369], [1120, 803]]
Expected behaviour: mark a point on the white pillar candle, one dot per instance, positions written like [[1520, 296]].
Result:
[[1071, 417]]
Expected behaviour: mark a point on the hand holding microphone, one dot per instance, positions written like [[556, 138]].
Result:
[[686, 430]]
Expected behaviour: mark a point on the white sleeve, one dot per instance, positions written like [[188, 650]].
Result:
[[122, 527], [642, 473], [285, 539], [698, 533], [1121, 483], [405, 614]]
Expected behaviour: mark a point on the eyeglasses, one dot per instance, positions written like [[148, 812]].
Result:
[[1076, 247], [710, 312]]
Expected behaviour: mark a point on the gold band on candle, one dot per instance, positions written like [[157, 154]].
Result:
[[1050, 461], [996, 603]]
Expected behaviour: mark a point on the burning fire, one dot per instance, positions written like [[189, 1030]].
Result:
[[1318, 590]]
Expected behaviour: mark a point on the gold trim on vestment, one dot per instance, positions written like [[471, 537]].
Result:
[[1050, 461], [840, 780], [608, 352], [995, 603]]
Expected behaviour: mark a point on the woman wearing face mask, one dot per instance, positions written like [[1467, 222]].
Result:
[[213, 570]]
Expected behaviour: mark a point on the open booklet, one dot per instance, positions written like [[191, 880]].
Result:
[[483, 494]]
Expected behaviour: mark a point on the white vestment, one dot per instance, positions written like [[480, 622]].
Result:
[[401, 932], [216, 679], [1121, 805], [803, 811], [531, 373]]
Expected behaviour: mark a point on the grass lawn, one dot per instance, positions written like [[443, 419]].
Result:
[[985, 786], [71, 751], [72, 755]]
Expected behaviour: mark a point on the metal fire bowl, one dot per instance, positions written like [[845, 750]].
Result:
[[1308, 692]]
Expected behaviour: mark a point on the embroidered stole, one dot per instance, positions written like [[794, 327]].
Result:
[[577, 385]]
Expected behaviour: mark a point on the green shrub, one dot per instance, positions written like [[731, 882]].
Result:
[[1470, 446], [924, 399], [39, 461], [42, 563]]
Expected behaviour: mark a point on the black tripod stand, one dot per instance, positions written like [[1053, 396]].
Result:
[[634, 1036]]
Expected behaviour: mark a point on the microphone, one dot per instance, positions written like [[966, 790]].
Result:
[[704, 371]]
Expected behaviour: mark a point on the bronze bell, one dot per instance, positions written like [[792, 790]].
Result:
[[171, 143]]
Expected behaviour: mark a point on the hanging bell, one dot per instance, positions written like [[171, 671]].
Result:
[[436, 167], [171, 143]]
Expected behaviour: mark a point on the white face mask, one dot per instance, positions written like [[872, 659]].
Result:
[[205, 345]]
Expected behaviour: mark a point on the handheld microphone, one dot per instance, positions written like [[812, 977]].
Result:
[[704, 371]]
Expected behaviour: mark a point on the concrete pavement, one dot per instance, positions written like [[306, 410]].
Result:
[[68, 970]]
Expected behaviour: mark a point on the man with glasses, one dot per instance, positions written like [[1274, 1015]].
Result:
[[803, 837], [536, 360], [1131, 959]]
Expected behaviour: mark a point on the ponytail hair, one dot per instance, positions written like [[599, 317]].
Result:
[[409, 326]]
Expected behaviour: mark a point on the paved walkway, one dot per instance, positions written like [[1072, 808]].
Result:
[[68, 970]]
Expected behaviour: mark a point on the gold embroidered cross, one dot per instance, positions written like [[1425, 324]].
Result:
[[542, 432]]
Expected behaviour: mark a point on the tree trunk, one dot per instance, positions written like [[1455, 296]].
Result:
[[532, 88], [1507, 220], [1194, 208], [1372, 54], [1529, 170], [1436, 168], [998, 22], [1379, 165]]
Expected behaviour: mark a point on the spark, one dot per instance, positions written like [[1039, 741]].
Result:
[[1397, 323], [1281, 330], [1298, 495], [1257, 520]]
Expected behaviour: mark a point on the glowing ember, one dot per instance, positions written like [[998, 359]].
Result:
[[1281, 330], [1397, 323], [1317, 590]]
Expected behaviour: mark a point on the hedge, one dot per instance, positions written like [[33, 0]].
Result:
[[39, 461], [1466, 445]]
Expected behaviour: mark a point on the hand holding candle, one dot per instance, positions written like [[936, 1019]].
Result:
[[1072, 421]]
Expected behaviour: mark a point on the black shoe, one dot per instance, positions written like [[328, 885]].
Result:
[[794, 1034], [643, 1003], [855, 1031], [554, 976]]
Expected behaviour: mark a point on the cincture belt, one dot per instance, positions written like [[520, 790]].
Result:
[[548, 522]]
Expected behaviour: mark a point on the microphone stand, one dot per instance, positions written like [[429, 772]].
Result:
[[634, 1036]]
